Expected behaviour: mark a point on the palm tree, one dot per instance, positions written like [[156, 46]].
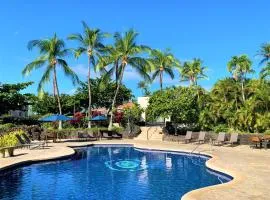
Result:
[[239, 67], [264, 52], [143, 85], [162, 62], [193, 71], [90, 42], [52, 51], [265, 72], [129, 53]]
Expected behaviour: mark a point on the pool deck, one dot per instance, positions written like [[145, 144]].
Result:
[[249, 167]]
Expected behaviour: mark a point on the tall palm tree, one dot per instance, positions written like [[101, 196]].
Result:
[[265, 72], [264, 52], [129, 53], [193, 71], [90, 43], [111, 59], [52, 52], [239, 67], [144, 86], [163, 62]]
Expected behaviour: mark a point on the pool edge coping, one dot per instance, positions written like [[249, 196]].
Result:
[[191, 195]]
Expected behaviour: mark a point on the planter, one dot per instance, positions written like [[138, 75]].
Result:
[[3, 152], [11, 152]]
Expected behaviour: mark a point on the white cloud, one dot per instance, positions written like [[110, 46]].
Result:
[[82, 70]]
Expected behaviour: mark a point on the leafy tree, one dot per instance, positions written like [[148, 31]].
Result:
[[129, 53], [47, 104], [11, 97], [132, 116], [178, 103], [239, 67], [162, 62], [52, 51], [103, 93], [193, 71], [90, 42]]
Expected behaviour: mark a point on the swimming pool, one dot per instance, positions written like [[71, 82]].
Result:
[[115, 172]]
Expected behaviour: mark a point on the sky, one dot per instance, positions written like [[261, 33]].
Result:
[[213, 31]]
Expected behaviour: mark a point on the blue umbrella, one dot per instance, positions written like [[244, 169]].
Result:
[[54, 118], [99, 118]]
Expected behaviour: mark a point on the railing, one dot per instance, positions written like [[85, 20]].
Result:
[[149, 136]]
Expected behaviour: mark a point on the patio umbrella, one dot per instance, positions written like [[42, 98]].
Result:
[[99, 118], [54, 118]]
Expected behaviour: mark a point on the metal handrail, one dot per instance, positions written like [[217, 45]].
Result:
[[152, 132]]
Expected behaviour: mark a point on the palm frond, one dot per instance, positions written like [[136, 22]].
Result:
[[39, 62], [68, 71]]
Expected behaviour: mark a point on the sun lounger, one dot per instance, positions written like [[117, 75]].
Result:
[[188, 137], [85, 136], [28, 141], [201, 137], [23, 143], [233, 139], [220, 139]]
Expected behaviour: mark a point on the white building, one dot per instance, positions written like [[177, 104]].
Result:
[[143, 103]]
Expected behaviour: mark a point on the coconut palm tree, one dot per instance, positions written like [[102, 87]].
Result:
[[52, 52], [144, 86], [239, 67], [264, 52], [162, 62], [265, 72], [193, 71], [129, 53], [90, 43]]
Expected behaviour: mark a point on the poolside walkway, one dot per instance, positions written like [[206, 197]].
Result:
[[250, 167]]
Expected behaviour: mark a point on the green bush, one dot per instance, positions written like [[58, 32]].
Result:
[[221, 128], [10, 139], [6, 127], [20, 120]]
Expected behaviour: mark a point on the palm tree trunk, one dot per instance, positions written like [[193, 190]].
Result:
[[116, 71], [57, 96], [116, 93], [243, 92], [161, 80], [89, 94]]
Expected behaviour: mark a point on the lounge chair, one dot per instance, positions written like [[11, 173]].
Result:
[[117, 135], [188, 137], [23, 143], [85, 136], [255, 142], [201, 137], [233, 139], [28, 141], [220, 139]]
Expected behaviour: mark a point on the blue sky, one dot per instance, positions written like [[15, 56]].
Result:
[[190, 28]]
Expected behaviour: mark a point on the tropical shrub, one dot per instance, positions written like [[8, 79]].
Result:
[[181, 104], [10, 139]]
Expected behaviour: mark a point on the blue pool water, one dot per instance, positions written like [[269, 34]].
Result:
[[110, 173]]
